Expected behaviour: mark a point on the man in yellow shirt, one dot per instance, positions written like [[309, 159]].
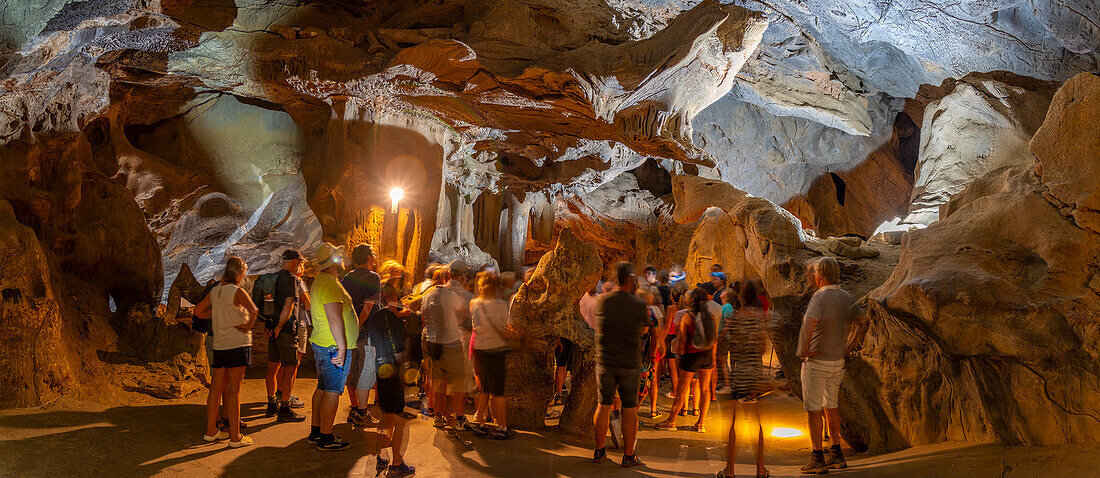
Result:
[[335, 326]]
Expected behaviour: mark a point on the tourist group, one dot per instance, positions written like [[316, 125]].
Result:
[[449, 336]]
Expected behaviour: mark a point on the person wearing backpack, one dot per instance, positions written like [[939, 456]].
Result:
[[698, 333], [279, 296]]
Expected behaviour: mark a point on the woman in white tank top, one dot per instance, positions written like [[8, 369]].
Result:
[[233, 315]]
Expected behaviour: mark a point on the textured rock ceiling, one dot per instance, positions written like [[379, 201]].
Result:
[[237, 110]]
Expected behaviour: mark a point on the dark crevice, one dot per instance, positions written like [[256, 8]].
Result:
[[841, 187]]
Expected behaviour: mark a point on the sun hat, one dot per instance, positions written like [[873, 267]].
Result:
[[327, 255]]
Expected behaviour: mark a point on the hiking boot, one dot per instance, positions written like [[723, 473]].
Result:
[[294, 402], [440, 421], [380, 465], [362, 419], [816, 466], [332, 444], [631, 461], [502, 434], [400, 471], [599, 455], [287, 415], [272, 407], [834, 459]]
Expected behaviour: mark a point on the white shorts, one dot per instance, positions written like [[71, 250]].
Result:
[[821, 383]]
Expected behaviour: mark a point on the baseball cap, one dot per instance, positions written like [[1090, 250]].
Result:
[[707, 286], [719, 275]]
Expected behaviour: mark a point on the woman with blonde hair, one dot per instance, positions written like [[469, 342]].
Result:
[[233, 315], [493, 337]]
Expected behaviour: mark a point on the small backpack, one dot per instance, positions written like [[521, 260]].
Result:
[[263, 295], [704, 337]]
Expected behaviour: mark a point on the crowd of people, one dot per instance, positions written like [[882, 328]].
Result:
[[449, 337]]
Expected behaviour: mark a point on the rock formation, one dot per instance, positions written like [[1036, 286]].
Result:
[[544, 309], [980, 126], [990, 304]]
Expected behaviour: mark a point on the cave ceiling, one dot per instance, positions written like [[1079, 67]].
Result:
[[559, 97]]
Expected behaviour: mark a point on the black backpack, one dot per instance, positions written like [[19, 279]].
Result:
[[263, 295]]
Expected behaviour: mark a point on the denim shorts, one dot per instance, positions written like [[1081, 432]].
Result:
[[330, 378]]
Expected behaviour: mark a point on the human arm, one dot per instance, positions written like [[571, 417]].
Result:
[[334, 313], [241, 299], [203, 310], [855, 341]]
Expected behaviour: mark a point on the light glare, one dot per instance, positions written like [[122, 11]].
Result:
[[781, 432], [396, 194]]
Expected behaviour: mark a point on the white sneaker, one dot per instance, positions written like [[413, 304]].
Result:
[[670, 395], [724, 390], [221, 435], [245, 441]]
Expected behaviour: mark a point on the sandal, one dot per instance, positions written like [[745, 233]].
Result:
[[722, 474], [767, 473], [700, 427]]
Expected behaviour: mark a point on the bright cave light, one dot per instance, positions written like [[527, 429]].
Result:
[[395, 196], [781, 432]]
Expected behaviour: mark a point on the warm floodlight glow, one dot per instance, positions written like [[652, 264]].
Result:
[[395, 196], [780, 432]]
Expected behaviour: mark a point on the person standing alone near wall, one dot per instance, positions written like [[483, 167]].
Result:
[[823, 343]]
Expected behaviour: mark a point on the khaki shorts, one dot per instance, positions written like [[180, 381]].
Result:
[[821, 383], [449, 371]]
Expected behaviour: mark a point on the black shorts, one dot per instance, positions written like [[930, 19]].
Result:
[[695, 361], [390, 395], [284, 348], [625, 381], [565, 356], [230, 358], [490, 369]]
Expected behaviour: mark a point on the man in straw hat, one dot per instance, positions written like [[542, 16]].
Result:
[[335, 328]]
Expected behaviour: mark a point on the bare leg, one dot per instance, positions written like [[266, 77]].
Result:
[[681, 396], [499, 414], [753, 409], [653, 391], [832, 416], [330, 402], [353, 396], [286, 380], [706, 378], [673, 371], [630, 430], [362, 399], [316, 404], [439, 403], [458, 407], [270, 378], [559, 380], [695, 389], [600, 421], [482, 400], [234, 378], [731, 441], [397, 436], [815, 424], [213, 399]]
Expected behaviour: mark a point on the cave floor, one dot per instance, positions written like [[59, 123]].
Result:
[[162, 437]]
